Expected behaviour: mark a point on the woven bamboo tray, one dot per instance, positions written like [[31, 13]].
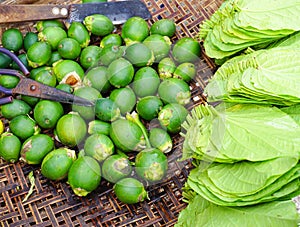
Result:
[[54, 203]]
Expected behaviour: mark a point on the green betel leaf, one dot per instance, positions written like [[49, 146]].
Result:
[[245, 183], [246, 178], [240, 24], [291, 40], [293, 112], [268, 15], [238, 133], [200, 212], [265, 76]]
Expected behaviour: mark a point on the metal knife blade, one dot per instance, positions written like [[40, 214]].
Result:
[[118, 11]]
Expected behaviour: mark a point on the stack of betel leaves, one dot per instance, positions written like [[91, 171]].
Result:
[[245, 141], [139, 82], [237, 25], [269, 76]]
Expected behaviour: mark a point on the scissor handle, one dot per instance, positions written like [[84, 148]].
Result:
[[15, 59], [11, 72], [6, 100], [6, 91]]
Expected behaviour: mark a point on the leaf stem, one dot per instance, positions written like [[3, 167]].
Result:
[[32, 184], [134, 117]]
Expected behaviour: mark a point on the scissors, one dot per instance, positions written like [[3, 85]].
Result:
[[30, 87]]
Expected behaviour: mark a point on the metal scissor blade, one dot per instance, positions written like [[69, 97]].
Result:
[[33, 88], [64, 97]]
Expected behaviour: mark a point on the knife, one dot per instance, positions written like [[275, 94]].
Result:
[[118, 11]]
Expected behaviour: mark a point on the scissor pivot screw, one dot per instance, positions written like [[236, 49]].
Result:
[[32, 87]]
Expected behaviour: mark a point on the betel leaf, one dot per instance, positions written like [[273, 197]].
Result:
[[264, 76], [201, 212], [240, 24], [287, 192], [224, 11], [244, 183], [293, 112], [291, 40], [246, 178], [268, 15], [238, 133]]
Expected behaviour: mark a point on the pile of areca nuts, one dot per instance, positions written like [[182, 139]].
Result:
[[138, 81]]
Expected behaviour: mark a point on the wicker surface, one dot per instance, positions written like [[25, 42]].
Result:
[[54, 203]]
